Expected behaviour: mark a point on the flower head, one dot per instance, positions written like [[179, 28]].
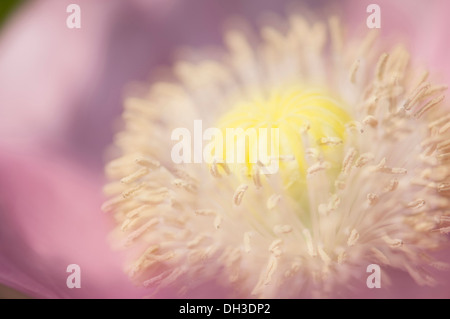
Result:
[[363, 167]]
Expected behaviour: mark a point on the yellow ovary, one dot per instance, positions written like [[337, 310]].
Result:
[[306, 119]]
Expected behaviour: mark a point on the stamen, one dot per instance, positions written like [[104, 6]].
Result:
[[113, 188], [286, 158], [304, 129], [217, 221], [137, 211], [196, 241], [295, 267], [444, 230], [334, 202], [256, 177], [274, 247], [205, 212], [354, 126], [435, 89], [381, 66], [348, 160], [225, 168], [336, 34], [443, 187], [368, 42], [416, 204], [364, 159], [395, 243], [273, 201], [380, 256], [370, 120], [393, 183], [140, 231], [429, 105], [444, 219], [340, 184], [353, 238], [267, 275], [312, 153], [353, 69], [185, 185], [443, 157], [423, 77], [431, 141], [372, 198], [157, 196], [126, 224], [443, 145], [309, 243], [444, 128], [443, 120], [239, 194], [147, 162], [440, 265], [247, 237], [331, 141], [213, 170], [282, 229], [416, 95], [135, 176], [382, 168], [341, 257], [182, 174], [317, 167], [130, 193], [112, 203], [323, 255], [397, 170]]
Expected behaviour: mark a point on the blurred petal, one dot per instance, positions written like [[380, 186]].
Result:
[[50, 218], [45, 65], [423, 25]]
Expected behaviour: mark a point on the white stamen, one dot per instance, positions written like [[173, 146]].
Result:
[[416, 204], [370, 120], [309, 243], [239, 194], [353, 69], [282, 229], [429, 105], [274, 247], [317, 167], [135, 176], [247, 237], [331, 141], [353, 238], [147, 162], [348, 160], [395, 243], [273, 201]]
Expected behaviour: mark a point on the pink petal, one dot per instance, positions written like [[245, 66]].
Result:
[[50, 218], [422, 25]]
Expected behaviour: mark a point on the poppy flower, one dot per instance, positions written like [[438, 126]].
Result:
[[360, 151], [361, 173]]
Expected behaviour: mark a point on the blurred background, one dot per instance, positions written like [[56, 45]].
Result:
[[61, 92], [7, 7]]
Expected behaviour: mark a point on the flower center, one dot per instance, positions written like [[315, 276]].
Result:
[[310, 127]]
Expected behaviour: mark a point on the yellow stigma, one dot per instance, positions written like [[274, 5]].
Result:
[[310, 122]]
